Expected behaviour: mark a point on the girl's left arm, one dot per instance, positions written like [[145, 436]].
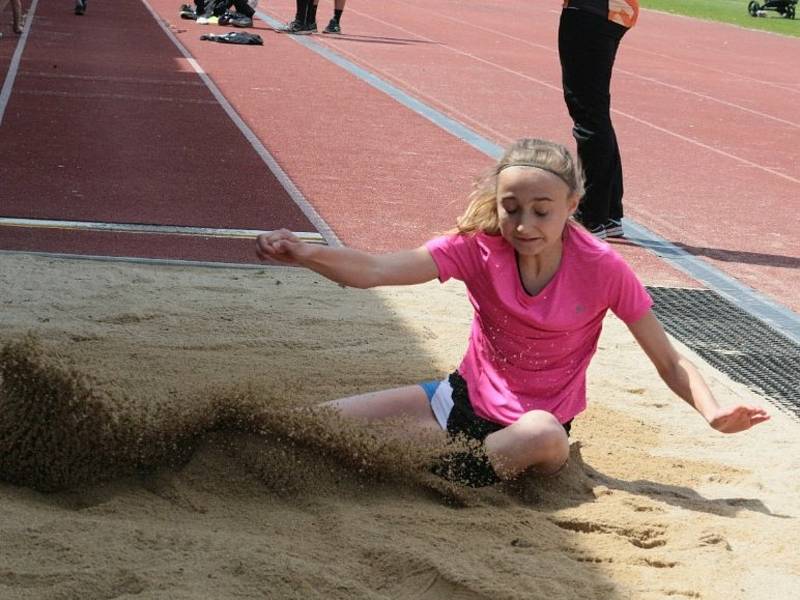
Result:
[[685, 380]]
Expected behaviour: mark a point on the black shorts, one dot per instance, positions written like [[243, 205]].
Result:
[[453, 410]]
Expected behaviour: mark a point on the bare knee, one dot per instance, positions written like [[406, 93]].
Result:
[[536, 441], [547, 439]]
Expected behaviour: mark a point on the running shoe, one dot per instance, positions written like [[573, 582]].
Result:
[[598, 231], [240, 21], [298, 28], [614, 228], [333, 27], [80, 7]]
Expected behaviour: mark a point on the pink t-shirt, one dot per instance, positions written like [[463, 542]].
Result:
[[531, 352]]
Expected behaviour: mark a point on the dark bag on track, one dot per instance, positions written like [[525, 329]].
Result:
[[235, 37]]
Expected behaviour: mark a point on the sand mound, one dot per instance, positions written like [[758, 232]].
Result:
[[64, 430]]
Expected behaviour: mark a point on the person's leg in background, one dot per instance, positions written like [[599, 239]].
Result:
[[244, 14], [16, 15], [588, 45], [311, 14], [302, 24], [334, 25]]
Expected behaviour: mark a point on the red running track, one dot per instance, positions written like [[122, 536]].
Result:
[[107, 122]]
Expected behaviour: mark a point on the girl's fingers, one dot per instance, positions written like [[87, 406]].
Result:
[[280, 246]]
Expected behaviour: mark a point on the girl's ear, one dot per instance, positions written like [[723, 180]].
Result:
[[573, 202]]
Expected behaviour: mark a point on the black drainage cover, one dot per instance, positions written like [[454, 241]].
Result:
[[733, 341]]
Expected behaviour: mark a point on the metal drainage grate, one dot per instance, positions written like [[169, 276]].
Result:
[[733, 341]]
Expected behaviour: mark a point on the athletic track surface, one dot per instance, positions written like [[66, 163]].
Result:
[[124, 117]]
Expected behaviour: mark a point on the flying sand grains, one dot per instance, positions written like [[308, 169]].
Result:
[[59, 429], [311, 450]]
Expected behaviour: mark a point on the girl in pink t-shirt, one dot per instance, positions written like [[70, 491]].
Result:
[[540, 286]]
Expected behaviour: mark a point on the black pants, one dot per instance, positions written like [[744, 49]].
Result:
[[587, 47], [218, 7]]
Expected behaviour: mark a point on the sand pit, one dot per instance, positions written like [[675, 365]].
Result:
[[158, 441]]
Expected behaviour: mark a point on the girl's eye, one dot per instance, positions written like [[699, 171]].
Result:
[[510, 211], [540, 213]]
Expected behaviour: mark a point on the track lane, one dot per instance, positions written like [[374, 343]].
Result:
[[108, 122]]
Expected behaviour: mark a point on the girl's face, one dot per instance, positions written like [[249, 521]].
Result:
[[533, 206]]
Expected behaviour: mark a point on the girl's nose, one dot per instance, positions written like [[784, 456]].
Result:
[[525, 222]]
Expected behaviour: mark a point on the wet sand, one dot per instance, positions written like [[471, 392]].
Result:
[[159, 439]]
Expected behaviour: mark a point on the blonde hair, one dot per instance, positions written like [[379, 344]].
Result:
[[481, 214]]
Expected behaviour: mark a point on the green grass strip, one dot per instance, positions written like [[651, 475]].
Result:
[[728, 11]]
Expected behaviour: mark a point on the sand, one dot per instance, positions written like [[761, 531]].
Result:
[[158, 440]]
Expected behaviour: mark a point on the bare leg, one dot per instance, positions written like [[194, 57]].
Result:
[[409, 402], [537, 441]]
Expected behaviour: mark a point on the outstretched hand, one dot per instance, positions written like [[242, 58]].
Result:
[[732, 419], [281, 245]]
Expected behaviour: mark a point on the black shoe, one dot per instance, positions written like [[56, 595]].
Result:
[[240, 21], [598, 231], [188, 14], [298, 28], [292, 27], [333, 27], [80, 7], [614, 228]]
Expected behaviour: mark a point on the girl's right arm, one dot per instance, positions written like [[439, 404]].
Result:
[[347, 266]]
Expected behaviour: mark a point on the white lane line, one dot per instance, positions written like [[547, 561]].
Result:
[[112, 78], [147, 261], [732, 105], [102, 96], [314, 238], [787, 87], [13, 67]]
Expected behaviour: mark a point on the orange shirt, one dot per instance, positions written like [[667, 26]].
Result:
[[624, 12]]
